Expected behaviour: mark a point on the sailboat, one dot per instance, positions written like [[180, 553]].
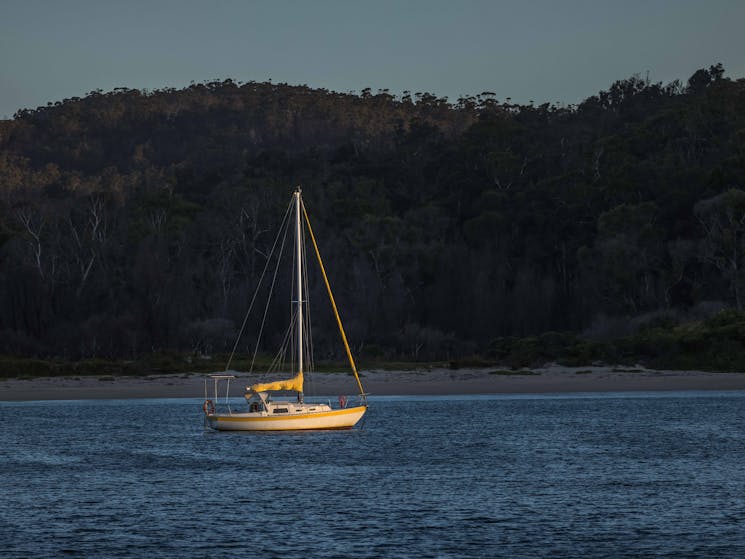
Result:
[[264, 413]]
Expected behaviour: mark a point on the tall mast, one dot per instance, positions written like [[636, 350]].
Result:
[[298, 229]]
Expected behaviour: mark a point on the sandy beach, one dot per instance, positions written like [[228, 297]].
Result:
[[550, 379]]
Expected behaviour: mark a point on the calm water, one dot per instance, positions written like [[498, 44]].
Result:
[[568, 476]]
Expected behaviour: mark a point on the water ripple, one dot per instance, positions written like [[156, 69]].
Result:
[[612, 476]]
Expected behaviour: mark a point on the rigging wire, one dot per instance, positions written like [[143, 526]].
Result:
[[333, 306], [293, 314], [271, 291], [279, 359], [258, 286], [308, 337]]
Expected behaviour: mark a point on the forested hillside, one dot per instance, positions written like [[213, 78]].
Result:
[[135, 221]]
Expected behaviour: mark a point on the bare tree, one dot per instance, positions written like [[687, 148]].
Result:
[[33, 223], [89, 235], [723, 220]]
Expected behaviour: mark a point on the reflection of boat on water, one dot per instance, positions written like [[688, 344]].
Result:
[[264, 412]]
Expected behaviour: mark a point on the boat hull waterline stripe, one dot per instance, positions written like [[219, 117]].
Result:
[[336, 419]]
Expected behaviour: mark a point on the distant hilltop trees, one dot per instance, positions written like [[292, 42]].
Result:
[[135, 221]]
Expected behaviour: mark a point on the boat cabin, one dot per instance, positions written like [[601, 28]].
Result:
[[261, 402]]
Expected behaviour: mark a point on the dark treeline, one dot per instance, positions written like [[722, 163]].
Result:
[[135, 221]]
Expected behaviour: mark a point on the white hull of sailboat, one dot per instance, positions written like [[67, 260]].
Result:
[[345, 418]]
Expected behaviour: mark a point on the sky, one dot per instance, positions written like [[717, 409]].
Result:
[[558, 51]]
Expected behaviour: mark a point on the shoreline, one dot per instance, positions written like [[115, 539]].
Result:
[[553, 379]]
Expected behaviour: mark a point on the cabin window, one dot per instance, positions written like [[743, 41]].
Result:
[[279, 410]]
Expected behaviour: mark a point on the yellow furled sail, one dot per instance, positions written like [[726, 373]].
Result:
[[295, 383]]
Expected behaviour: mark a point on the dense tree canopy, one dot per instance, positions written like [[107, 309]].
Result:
[[133, 220]]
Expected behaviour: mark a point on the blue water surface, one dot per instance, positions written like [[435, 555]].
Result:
[[604, 475]]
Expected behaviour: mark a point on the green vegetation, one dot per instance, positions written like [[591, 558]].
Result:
[[134, 226], [714, 344]]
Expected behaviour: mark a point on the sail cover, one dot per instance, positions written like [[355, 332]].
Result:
[[295, 383]]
